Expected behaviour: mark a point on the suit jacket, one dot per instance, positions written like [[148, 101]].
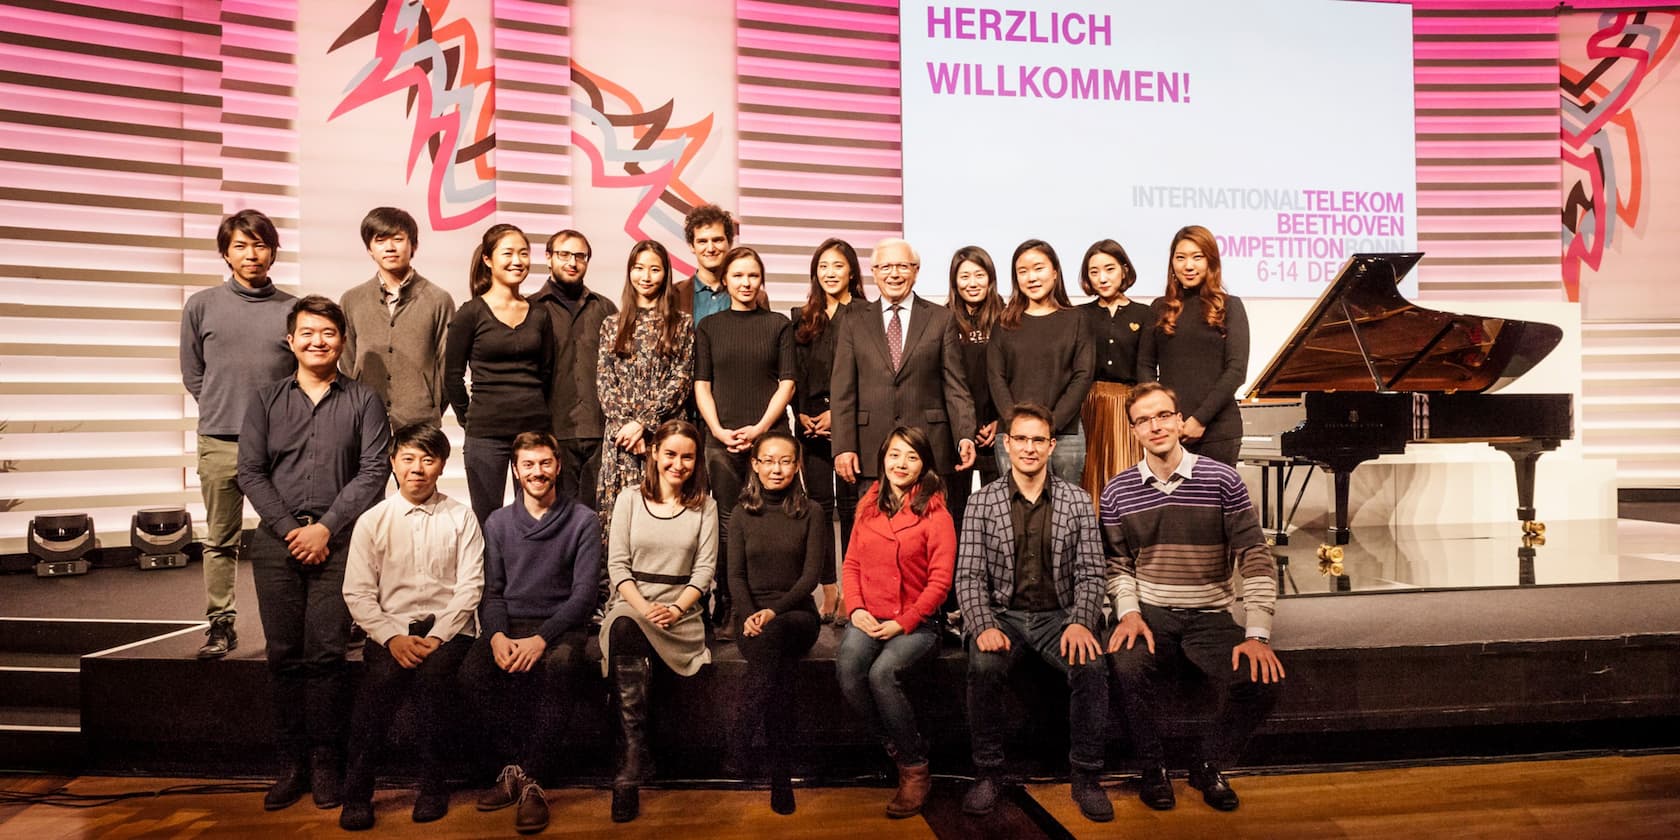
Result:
[[868, 399], [985, 576]]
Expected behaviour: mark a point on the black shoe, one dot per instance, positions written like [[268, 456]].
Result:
[[326, 779], [431, 804], [982, 796], [289, 788], [1155, 789], [219, 639], [506, 790], [356, 816], [1088, 793], [626, 802], [532, 814], [781, 795], [1215, 790]]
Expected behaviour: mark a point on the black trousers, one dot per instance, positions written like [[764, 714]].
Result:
[[1034, 634], [524, 713], [307, 627], [835, 495], [727, 472], [767, 692], [580, 465], [385, 684], [1204, 639]]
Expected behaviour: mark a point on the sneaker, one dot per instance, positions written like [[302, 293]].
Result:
[[982, 797], [219, 639], [1088, 793], [356, 816], [532, 814], [506, 790]]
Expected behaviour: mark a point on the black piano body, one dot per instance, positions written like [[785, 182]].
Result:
[[1368, 373]]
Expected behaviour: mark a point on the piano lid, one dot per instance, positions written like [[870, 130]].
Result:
[[1361, 335]]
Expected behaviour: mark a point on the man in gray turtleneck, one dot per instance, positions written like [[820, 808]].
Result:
[[233, 340]]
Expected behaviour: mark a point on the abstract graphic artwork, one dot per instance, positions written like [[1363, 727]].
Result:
[[444, 71], [632, 147], [1604, 171]]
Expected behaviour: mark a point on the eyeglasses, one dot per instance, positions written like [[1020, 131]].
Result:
[[895, 268], [569, 256], [767, 463], [1033, 441], [1159, 417]]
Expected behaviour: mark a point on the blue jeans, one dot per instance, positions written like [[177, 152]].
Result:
[[871, 676], [1040, 634], [1066, 463]]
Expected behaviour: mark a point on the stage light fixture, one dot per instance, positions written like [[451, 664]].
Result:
[[160, 535], [59, 543]]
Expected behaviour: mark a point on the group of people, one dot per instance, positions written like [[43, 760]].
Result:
[[1037, 477]]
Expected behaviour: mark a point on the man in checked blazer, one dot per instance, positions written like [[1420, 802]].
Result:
[[897, 362], [1030, 580]]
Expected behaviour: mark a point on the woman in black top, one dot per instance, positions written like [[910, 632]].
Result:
[[743, 381], [835, 283], [975, 305], [1117, 325], [777, 538], [1199, 346], [1041, 353], [508, 346]]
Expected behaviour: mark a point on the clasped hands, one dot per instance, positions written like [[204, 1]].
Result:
[[309, 543], [516, 656], [875, 628]]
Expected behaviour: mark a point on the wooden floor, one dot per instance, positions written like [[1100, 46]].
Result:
[[1594, 798]]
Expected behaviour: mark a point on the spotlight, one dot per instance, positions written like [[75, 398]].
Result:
[[160, 534], [59, 543]]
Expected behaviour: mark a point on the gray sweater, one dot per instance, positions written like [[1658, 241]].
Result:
[[233, 341], [399, 356]]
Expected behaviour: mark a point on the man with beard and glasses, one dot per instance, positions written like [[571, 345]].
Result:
[[576, 314], [542, 570]]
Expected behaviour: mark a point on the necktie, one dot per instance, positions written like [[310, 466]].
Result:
[[895, 338]]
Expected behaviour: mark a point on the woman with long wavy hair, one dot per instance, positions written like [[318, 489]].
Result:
[[1198, 346], [643, 369]]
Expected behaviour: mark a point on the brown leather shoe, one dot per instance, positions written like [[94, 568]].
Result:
[[531, 816], [914, 781]]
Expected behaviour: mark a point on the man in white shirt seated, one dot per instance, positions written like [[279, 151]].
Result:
[[413, 580]]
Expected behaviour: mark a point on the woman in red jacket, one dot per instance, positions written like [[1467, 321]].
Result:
[[896, 573]]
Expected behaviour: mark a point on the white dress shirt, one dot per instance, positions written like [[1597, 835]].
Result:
[[409, 561]]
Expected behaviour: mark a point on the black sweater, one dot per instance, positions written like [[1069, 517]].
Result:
[[1203, 367], [512, 371], [1046, 360], [745, 356], [775, 558], [1116, 337], [815, 365]]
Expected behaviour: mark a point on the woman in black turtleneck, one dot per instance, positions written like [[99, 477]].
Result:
[[1199, 346], [776, 548]]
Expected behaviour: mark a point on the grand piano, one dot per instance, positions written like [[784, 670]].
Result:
[[1367, 373]]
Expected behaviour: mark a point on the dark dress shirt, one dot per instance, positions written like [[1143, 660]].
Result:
[[1035, 588], [326, 459]]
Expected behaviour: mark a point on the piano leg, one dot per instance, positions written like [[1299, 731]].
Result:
[[1524, 455], [1339, 532]]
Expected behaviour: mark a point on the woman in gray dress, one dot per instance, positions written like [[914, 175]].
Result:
[[661, 555]]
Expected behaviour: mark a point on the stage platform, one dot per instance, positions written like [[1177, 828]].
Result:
[[1434, 651]]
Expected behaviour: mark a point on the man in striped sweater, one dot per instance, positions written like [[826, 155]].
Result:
[[1173, 529]]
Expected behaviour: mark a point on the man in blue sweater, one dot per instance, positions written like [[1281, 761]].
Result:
[[542, 569]]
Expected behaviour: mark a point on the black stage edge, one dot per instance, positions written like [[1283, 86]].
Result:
[[1372, 677]]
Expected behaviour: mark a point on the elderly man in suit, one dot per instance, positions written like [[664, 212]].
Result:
[[897, 362], [1030, 579]]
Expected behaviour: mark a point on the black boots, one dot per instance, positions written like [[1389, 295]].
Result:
[[630, 674]]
